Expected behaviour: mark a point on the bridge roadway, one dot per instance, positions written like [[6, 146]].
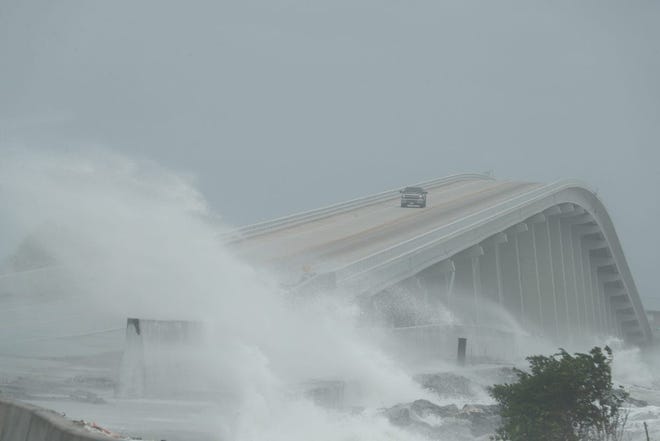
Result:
[[326, 244]]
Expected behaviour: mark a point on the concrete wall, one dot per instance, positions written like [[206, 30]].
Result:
[[24, 422]]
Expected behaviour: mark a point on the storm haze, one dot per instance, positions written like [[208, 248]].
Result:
[[276, 107]]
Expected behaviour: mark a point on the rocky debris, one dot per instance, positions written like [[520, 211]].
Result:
[[84, 396], [446, 384], [418, 411], [433, 420], [483, 418]]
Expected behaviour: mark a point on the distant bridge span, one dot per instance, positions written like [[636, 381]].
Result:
[[549, 254]]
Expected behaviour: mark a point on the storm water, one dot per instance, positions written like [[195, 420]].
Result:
[[102, 238]]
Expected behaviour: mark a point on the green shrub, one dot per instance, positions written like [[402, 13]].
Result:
[[563, 398]]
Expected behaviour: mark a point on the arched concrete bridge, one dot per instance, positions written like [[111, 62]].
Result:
[[548, 254]]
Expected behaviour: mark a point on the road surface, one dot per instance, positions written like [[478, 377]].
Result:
[[329, 243]]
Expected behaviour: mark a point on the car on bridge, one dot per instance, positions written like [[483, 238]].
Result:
[[413, 196]]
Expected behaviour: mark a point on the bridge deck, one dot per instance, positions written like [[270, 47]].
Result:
[[330, 242]]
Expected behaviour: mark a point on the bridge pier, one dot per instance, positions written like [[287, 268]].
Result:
[[618, 298], [574, 265], [546, 278], [468, 283], [587, 285], [609, 281], [573, 308], [614, 327], [513, 295], [491, 269], [596, 265], [593, 244], [604, 267], [587, 270], [475, 254], [560, 271], [436, 285], [447, 270], [438, 280], [529, 272], [576, 262]]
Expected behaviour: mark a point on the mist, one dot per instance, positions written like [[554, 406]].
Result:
[[135, 240]]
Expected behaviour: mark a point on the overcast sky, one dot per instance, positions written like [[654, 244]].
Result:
[[279, 106]]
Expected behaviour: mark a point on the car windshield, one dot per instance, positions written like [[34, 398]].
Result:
[[413, 190]]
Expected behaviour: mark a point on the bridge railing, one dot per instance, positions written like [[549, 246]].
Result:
[[343, 207]]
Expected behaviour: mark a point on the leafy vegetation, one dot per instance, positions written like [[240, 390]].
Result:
[[563, 397]]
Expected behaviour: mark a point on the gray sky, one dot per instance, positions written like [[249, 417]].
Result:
[[296, 104]]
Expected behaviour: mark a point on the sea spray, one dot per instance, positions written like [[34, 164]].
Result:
[[136, 240]]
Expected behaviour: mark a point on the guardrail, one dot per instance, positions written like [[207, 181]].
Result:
[[331, 210]]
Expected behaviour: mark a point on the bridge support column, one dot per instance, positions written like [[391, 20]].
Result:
[[491, 269], [595, 246], [575, 272], [468, 284], [619, 301], [436, 283], [512, 294], [463, 297], [612, 315], [609, 282], [529, 271], [559, 259], [606, 266], [573, 307], [584, 304], [547, 287], [612, 307], [600, 316], [475, 254], [588, 290], [448, 271]]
